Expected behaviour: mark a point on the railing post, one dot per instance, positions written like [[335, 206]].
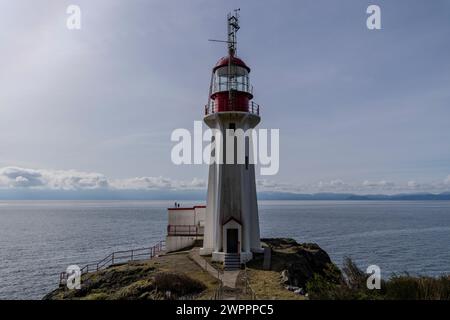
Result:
[[132, 252], [112, 259]]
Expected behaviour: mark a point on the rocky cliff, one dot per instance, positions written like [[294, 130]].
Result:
[[291, 266]]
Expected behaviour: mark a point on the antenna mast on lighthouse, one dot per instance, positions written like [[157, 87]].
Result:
[[233, 27]]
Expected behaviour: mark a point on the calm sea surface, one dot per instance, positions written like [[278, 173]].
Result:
[[38, 239]]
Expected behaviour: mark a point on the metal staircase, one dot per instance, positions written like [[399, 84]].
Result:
[[232, 262]]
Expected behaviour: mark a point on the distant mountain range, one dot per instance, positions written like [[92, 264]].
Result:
[[107, 194]]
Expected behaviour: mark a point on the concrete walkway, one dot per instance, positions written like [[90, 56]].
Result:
[[228, 278]]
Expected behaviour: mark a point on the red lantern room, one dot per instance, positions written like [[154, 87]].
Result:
[[230, 89]]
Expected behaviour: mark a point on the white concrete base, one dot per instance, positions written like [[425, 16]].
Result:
[[175, 243], [220, 256], [205, 251], [246, 256], [258, 250]]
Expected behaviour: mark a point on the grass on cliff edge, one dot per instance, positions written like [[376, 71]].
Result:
[[267, 283], [352, 286], [145, 280], [267, 286]]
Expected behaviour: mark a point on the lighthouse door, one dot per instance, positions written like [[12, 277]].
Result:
[[232, 240]]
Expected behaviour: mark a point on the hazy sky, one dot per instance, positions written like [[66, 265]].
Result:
[[358, 110]]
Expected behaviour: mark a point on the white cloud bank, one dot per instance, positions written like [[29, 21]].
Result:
[[41, 179], [447, 180], [15, 177], [365, 187], [156, 183]]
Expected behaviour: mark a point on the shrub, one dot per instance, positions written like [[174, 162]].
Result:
[[178, 284], [352, 285], [406, 287]]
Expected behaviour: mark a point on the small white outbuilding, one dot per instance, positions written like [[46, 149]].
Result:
[[185, 226]]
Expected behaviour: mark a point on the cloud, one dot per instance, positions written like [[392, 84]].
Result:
[[15, 177], [275, 186], [44, 179], [70, 180], [142, 183], [447, 180], [152, 183], [198, 183], [382, 183], [332, 184], [19, 177], [366, 187], [264, 183], [412, 184]]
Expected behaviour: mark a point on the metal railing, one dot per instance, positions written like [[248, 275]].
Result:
[[248, 289], [118, 257], [212, 107], [218, 293], [184, 230]]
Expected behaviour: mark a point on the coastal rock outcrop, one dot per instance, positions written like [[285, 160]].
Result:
[[298, 262]]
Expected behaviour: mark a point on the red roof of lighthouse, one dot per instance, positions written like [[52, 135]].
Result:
[[234, 61]]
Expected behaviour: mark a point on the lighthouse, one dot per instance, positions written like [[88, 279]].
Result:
[[231, 226]]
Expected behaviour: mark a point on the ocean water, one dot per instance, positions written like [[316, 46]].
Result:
[[39, 239]]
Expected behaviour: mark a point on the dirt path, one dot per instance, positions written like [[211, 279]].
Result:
[[233, 284]]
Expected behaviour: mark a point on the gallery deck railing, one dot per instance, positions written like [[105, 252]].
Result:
[[118, 257], [213, 107]]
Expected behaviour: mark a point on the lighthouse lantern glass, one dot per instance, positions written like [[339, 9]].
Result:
[[237, 79]]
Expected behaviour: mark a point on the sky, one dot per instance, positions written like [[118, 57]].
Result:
[[359, 110]]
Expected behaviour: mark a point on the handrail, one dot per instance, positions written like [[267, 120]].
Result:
[[173, 230], [248, 288], [212, 107], [218, 293], [118, 257]]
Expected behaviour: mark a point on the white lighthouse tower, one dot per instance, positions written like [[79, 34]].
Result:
[[231, 232]]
